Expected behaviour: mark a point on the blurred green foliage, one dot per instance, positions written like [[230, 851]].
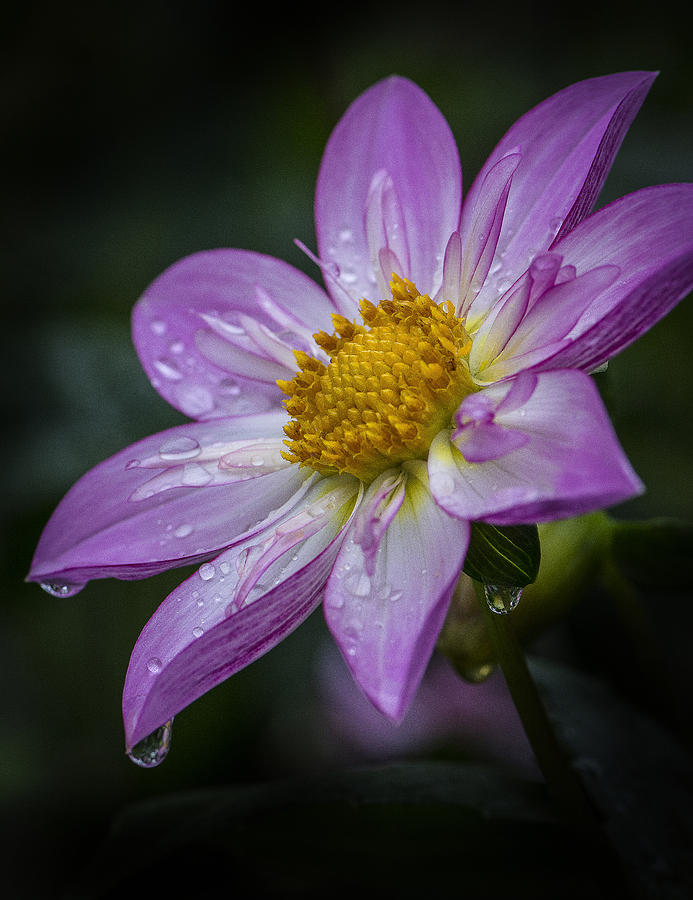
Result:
[[137, 133]]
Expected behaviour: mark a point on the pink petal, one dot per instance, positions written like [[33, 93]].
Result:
[[567, 144], [540, 330], [571, 464], [216, 330], [390, 173], [205, 631], [649, 236], [386, 623], [130, 518]]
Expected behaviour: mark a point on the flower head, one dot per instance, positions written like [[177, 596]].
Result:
[[343, 440]]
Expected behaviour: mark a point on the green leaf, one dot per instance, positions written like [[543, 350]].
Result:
[[508, 556]]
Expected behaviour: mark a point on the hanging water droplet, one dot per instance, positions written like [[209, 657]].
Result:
[[154, 665], [502, 598], [179, 448], [61, 588], [206, 571], [152, 750]]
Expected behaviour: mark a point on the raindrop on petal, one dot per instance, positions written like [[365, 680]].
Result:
[[502, 599], [168, 368], [179, 448], [359, 584], [206, 571], [152, 750]]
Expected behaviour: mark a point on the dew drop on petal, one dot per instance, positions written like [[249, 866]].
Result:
[[359, 584], [229, 387], [168, 368], [502, 599], [152, 750], [176, 449], [207, 571], [183, 531], [61, 588], [257, 460], [158, 327], [154, 665], [195, 475], [198, 631]]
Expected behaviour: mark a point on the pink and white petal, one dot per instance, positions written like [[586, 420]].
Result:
[[571, 464], [480, 229], [129, 518], [649, 236], [390, 162], [567, 143], [210, 626], [215, 330], [509, 344], [386, 623]]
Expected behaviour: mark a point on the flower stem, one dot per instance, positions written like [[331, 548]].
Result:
[[562, 781]]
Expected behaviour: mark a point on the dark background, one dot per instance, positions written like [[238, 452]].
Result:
[[137, 133]]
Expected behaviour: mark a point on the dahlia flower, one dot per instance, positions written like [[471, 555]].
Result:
[[344, 438]]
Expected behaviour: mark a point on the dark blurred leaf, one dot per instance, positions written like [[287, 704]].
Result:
[[636, 774], [507, 556], [406, 830], [658, 552]]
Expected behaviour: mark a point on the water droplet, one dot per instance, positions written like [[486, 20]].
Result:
[[61, 588], [229, 387], [257, 460], [207, 571], [168, 368], [132, 464], [152, 750], [158, 327], [346, 235], [154, 665], [183, 531], [195, 475], [225, 568], [177, 347], [179, 448], [359, 584], [198, 631], [502, 598]]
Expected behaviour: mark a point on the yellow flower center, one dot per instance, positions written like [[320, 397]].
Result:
[[391, 385]]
